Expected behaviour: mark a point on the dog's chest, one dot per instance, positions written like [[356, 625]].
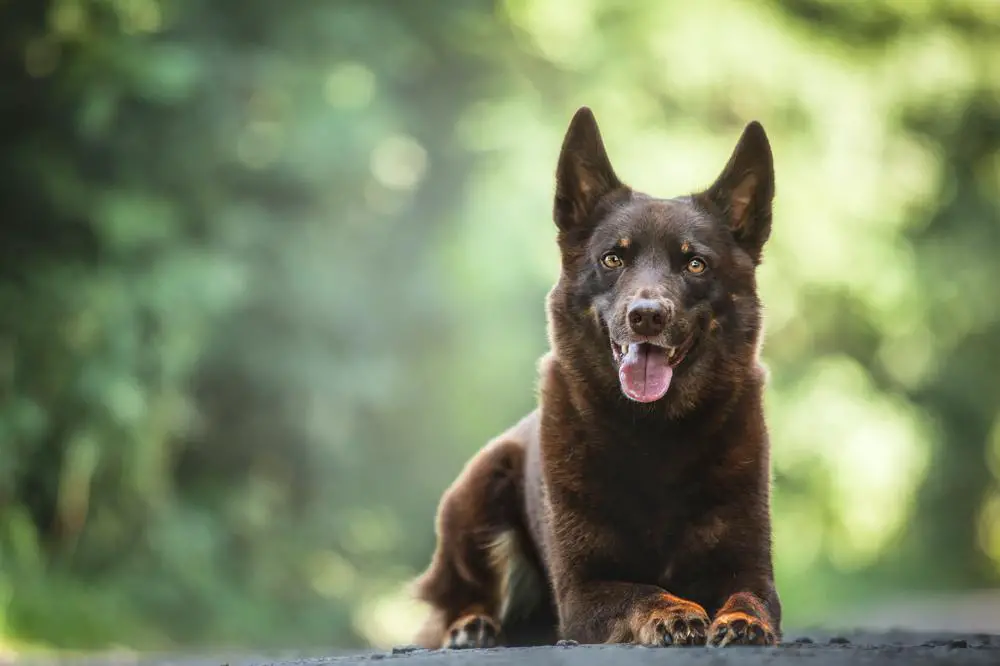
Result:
[[658, 481], [661, 511]]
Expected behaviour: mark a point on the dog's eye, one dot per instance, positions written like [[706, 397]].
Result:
[[612, 260], [697, 265]]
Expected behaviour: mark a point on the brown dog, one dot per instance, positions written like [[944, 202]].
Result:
[[633, 506]]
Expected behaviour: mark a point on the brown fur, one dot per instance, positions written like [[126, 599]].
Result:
[[601, 519]]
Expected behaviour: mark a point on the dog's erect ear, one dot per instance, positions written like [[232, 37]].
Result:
[[584, 174], [744, 191]]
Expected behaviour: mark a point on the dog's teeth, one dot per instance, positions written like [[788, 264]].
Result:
[[625, 349], [671, 352]]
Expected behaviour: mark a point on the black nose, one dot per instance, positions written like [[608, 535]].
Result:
[[647, 317]]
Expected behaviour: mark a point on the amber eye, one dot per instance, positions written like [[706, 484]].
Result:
[[612, 260], [697, 265]]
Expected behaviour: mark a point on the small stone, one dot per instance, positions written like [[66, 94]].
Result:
[[566, 643], [839, 640], [958, 643], [804, 640], [407, 649]]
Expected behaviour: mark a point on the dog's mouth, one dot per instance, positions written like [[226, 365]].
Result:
[[645, 369]]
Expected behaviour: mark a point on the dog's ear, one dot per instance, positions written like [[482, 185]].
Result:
[[584, 174], [744, 191]]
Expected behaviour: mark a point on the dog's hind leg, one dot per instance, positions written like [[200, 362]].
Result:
[[479, 573]]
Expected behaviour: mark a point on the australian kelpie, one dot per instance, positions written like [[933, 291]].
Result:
[[633, 506]]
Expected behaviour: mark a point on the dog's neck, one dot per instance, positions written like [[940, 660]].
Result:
[[586, 392]]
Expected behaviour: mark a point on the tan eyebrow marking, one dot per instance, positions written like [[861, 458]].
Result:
[[624, 243], [685, 247]]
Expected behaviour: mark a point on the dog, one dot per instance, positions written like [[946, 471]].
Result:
[[633, 505]]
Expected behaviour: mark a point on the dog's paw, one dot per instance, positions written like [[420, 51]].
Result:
[[679, 623], [737, 628], [472, 631]]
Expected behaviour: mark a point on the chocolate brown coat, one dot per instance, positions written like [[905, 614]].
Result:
[[602, 517]]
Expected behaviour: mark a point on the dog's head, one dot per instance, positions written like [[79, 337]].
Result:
[[659, 295]]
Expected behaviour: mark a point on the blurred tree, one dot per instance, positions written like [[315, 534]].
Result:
[[954, 231], [190, 187], [270, 272]]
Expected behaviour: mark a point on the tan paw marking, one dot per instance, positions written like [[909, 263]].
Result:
[[472, 631], [679, 624], [736, 628]]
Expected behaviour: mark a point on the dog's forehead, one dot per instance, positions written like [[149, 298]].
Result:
[[660, 219]]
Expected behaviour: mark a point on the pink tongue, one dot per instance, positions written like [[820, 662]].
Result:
[[644, 373]]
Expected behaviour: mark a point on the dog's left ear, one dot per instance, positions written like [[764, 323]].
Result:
[[744, 191]]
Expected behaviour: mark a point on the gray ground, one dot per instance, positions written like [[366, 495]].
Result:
[[955, 628], [813, 648], [817, 650]]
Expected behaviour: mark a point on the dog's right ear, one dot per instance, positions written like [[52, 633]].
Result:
[[584, 174]]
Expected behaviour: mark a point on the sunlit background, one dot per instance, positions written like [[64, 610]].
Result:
[[270, 272]]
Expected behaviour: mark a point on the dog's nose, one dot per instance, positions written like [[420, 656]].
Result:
[[647, 317]]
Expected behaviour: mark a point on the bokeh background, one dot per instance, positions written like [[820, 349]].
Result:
[[270, 272]]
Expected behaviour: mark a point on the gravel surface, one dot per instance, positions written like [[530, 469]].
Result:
[[813, 648]]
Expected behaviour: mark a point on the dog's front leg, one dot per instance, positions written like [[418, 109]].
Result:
[[617, 612], [743, 620]]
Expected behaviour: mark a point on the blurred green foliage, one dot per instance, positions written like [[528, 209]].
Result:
[[271, 271]]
